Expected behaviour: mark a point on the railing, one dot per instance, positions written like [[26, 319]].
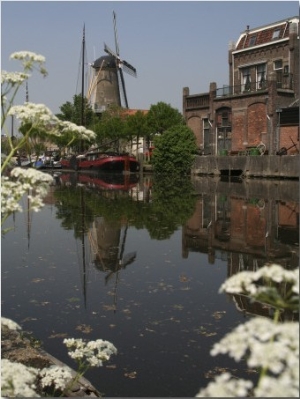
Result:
[[283, 81], [197, 101]]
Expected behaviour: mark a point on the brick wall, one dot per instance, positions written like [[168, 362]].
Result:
[[256, 123], [286, 134]]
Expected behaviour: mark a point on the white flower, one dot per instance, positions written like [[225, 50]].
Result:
[[30, 60], [225, 386], [78, 131], [25, 181], [28, 55], [13, 77], [282, 386], [92, 352], [10, 324], [37, 114], [257, 337], [60, 377], [17, 380], [246, 282]]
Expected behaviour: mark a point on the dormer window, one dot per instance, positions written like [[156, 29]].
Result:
[[276, 34], [252, 40]]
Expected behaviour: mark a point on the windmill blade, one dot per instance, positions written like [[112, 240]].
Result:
[[123, 87], [116, 34], [128, 68], [128, 259], [109, 51]]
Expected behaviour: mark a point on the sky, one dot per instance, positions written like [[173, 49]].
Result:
[[172, 44]]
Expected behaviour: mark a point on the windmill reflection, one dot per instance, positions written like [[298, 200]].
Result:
[[103, 238]]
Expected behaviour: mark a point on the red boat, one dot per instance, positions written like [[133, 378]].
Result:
[[102, 161]]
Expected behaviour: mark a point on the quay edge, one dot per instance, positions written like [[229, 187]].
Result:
[[265, 166]]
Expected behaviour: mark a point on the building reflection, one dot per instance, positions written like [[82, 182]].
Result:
[[246, 232]]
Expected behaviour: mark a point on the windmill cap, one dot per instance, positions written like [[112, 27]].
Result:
[[109, 62]]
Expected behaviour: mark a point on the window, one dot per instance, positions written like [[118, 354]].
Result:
[[276, 34], [246, 79], [277, 65], [261, 76], [252, 40]]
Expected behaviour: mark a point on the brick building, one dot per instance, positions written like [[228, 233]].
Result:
[[260, 105]]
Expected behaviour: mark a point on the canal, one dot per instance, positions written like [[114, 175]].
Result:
[[139, 263]]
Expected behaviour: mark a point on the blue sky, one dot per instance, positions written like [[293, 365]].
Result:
[[172, 44]]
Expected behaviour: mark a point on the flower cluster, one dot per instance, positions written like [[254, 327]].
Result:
[[23, 181], [10, 324], [78, 131], [93, 353], [267, 345], [30, 60], [36, 114], [245, 282], [17, 380], [60, 377], [225, 386], [12, 78]]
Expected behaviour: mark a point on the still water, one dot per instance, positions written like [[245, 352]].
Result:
[[140, 263]]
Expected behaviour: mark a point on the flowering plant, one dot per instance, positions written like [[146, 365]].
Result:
[[18, 379], [33, 118], [268, 345]]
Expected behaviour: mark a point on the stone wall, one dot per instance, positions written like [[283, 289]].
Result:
[[250, 166]]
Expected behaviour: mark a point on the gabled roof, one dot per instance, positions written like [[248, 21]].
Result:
[[267, 34]]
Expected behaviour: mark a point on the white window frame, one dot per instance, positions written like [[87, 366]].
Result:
[[246, 79], [261, 76]]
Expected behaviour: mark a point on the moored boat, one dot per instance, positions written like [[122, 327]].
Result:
[[102, 161]]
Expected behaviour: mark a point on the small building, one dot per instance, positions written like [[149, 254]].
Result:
[[259, 108]]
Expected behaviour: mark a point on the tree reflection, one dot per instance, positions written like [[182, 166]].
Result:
[[171, 204]]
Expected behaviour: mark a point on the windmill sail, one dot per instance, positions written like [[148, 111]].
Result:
[[121, 65], [108, 84]]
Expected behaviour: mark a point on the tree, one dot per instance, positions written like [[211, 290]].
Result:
[[136, 126], [110, 130], [74, 113], [174, 151], [162, 116]]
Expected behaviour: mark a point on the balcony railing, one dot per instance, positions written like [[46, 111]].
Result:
[[283, 81], [197, 101]]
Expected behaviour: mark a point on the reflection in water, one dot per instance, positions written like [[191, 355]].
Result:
[[151, 257], [237, 226], [247, 232]]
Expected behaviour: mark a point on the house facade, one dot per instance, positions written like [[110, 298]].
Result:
[[259, 109]]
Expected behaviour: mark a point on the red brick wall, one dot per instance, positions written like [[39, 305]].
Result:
[[257, 123], [286, 133], [238, 131], [195, 124]]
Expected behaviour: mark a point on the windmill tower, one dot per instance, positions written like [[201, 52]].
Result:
[[108, 84]]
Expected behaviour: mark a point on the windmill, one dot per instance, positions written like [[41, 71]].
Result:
[[108, 85]]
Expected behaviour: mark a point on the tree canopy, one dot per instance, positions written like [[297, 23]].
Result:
[[174, 151]]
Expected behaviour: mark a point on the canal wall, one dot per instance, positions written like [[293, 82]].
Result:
[[267, 166], [275, 189]]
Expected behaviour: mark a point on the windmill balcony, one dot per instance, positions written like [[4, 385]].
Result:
[[284, 82]]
